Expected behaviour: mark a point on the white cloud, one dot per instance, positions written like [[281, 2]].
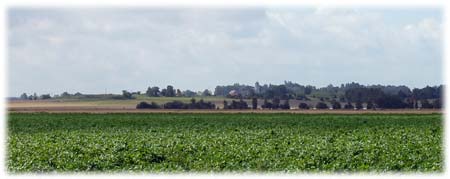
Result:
[[200, 48]]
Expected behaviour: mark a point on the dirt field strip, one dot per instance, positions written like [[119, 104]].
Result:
[[90, 109]]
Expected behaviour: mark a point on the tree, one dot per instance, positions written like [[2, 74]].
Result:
[[189, 93], [206, 92], [164, 92], [303, 106], [145, 105], [241, 104], [225, 104], [266, 104], [348, 106], [35, 97], [193, 104], [370, 105], [126, 94], [155, 91], [335, 104], [179, 94], [390, 102], [285, 105], [409, 102], [426, 104], [45, 96], [152, 91], [175, 105], [65, 94], [321, 105], [24, 96], [437, 104], [254, 103], [170, 91], [308, 90], [358, 105], [276, 103]]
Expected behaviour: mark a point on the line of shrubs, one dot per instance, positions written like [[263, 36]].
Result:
[[274, 104], [177, 105]]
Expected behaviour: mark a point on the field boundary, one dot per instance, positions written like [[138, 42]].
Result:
[[131, 110]]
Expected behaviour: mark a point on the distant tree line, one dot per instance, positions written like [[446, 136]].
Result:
[[201, 104], [347, 96], [170, 91], [34, 96], [372, 96]]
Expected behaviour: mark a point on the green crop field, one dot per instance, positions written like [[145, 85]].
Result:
[[41, 142]]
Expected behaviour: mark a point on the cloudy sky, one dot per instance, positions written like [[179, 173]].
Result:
[[93, 49]]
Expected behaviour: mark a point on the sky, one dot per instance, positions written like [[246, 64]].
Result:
[[93, 50]]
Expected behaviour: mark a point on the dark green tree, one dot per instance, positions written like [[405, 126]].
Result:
[[321, 105], [285, 105], [266, 104], [179, 94], [65, 94], [254, 103], [126, 94], [348, 106], [370, 105], [426, 104], [358, 105], [225, 104], [275, 103], [45, 96], [206, 92], [24, 96], [303, 106], [437, 104], [335, 104], [170, 91]]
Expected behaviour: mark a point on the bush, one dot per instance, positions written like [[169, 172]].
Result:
[[175, 105], [348, 106], [285, 105], [241, 104], [144, 105], [370, 105], [266, 105], [303, 106], [358, 105], [336, 105], [193, 105], [437, 104], [390, 102], [321, 105]]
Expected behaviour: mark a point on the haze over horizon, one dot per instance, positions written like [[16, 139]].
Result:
[[52, 50]]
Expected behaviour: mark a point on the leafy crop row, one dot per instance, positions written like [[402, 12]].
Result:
[[43, 142]]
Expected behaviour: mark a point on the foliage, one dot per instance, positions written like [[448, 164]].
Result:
[[42, 142], [254, 103], [241, 104], [145, 105], [126, 94], [321, 105], [285, 105], [336, 105], [303, 106]]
